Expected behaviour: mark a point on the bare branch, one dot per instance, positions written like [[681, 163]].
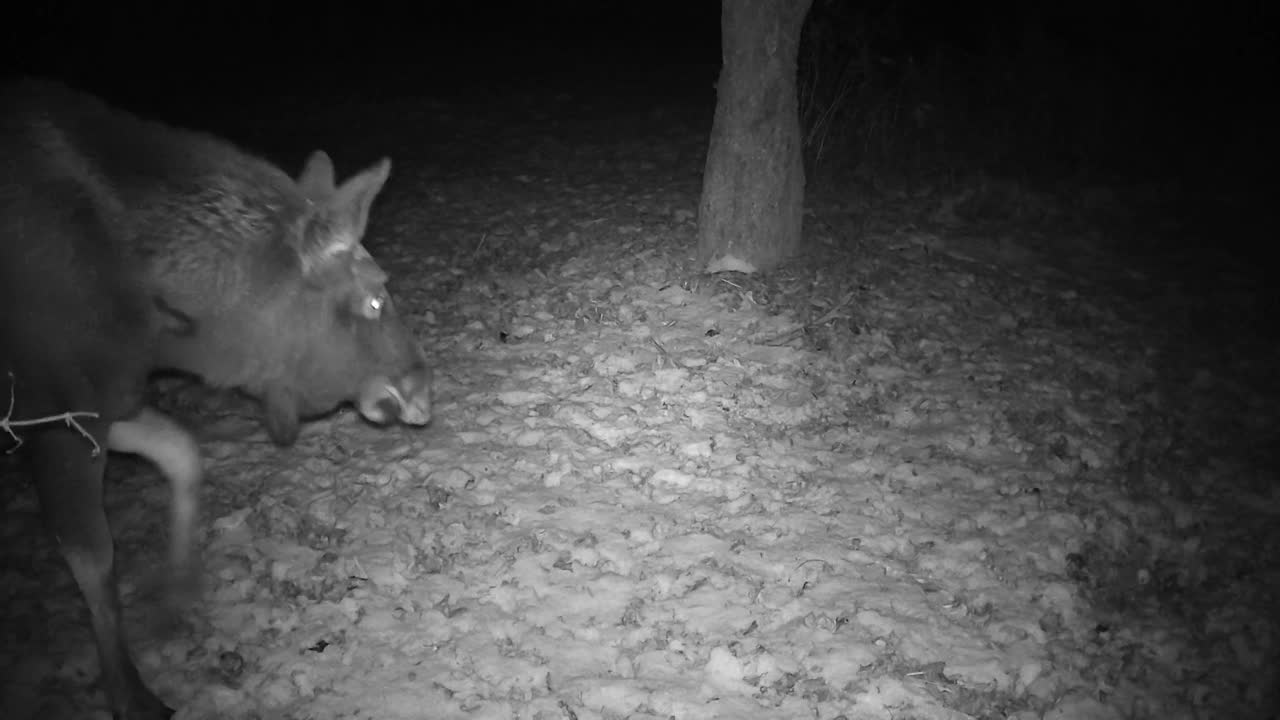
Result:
[[7, 423]]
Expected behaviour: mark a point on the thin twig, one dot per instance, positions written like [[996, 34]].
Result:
[[7, 423]]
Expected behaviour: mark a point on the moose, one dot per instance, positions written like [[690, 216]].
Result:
[[129, 247]]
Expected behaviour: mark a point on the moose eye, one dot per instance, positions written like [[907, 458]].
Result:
[[373, 304]]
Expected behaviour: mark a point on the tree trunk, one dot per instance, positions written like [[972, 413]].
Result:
[[753, 187]]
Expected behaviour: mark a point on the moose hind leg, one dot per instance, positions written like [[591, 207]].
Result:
[[69, 481]]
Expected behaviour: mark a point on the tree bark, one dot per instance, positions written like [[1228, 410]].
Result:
[[753, 187]]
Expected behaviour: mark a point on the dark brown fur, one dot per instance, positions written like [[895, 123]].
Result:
[[126, 247]]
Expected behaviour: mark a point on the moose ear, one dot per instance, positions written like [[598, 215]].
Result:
[[316, 180], [348, 208], [337, 222]]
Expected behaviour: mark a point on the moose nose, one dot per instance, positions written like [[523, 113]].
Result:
[[407, 399]]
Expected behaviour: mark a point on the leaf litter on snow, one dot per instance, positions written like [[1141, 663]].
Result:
[[895, 479]]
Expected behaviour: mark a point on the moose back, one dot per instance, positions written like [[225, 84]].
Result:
[[126, 247]]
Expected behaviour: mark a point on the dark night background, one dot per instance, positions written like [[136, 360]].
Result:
[[1148, 90], [428, 49]]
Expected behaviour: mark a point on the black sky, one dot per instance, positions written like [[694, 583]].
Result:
[[268, 44], [1199, 74]]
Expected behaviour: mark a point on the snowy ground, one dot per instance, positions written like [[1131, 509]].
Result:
[[939, 467]]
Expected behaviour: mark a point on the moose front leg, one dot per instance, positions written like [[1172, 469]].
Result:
[[175, 453], [69, 482]]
